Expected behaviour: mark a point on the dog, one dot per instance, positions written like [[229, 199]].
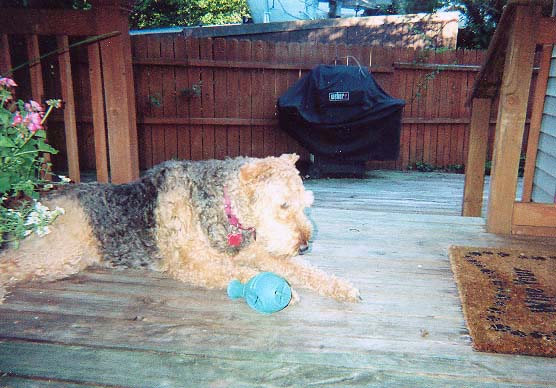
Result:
[[203, 223]]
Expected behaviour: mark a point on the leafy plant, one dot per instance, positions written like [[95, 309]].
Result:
[[156, 13], [22, 143], [421, 166], [23, 165]]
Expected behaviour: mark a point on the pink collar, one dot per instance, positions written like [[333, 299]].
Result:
[[235, 237]]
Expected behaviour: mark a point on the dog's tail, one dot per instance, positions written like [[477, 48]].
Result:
[[67, 249]]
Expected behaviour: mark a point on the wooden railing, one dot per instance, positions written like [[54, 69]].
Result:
[[109, 76]]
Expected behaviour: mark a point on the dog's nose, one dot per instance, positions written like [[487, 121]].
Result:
[[303, 248]]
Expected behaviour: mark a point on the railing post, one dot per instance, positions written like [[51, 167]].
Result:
[[476, 158], [119, 94], [70, 122]]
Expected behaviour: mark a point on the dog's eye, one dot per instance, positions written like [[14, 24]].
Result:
[[285, 205]]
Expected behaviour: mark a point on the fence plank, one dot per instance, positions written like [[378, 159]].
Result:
[[207, 75], [144, 131], [192, 49], [221, 97], [184, 94], [156, 99], [269, 100], [245, 99], [282, 84], [169, 101], [234, 89], [257, 93]]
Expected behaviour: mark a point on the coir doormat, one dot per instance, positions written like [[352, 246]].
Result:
[[509, 299]]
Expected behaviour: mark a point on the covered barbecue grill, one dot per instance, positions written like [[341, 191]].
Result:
[[343, 117]]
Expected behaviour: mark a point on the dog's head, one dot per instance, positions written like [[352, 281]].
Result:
[[277, 200]]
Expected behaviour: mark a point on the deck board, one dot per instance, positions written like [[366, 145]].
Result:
[[389, 234]]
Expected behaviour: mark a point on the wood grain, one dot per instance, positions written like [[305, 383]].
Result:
[[389, 234]]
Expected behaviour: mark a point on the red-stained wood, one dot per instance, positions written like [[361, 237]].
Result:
[[141, 76], [207, 98], [184, 94], [281, 54], [66, 82], [5, 59], [269, 100], [221, 97], [119, 94], [245, 99], [241, 121], [233, 91], [155, 99], [196, 83], [35, 68], [169, 97], [257, 100], [97, 104]]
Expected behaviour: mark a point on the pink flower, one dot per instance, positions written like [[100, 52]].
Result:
[[33, 122], [7, 82], [33, 106], [17, 119]]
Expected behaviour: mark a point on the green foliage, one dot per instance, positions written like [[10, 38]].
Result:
[[22, 165], [427, 167], [153, 13], [22, 145], [479, 17], [421, 166]]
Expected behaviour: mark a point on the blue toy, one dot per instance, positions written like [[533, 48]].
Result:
[[266, 292]]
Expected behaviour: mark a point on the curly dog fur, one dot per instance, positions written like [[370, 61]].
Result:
[[174, 220]]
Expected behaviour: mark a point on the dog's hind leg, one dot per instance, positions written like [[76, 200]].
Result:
[[67, 249]]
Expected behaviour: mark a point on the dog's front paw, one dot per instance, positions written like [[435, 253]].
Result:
[[295, 297], [344, 291]]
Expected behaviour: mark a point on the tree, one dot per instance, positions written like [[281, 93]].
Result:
[[158, 13], [481, 18]]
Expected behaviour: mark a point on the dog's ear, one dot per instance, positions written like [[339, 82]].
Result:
[[292, 158], [255, 171]]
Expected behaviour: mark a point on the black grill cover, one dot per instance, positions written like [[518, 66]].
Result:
[[341, 112]]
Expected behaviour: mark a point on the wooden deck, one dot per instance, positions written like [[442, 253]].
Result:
[[389, 234]]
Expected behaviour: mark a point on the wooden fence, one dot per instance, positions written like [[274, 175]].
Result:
[[204, 98], [200, 98]]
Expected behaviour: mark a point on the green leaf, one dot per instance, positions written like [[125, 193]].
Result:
[[5, 118], [6, 142], [4, 184], [43, 147], [41, 133]]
